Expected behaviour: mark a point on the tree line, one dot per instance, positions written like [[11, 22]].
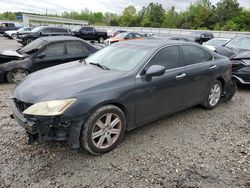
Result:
[[224, 15]]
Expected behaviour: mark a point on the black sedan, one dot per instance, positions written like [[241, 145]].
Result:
[[43, 31], [119, 88], [238, 50], [41, 53]]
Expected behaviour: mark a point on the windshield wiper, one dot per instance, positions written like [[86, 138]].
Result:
[[99, 65]]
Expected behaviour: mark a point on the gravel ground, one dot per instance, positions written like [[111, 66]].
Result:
[[193, 148]]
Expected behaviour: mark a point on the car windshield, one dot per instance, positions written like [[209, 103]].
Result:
[[77, 28], [37, 29], [121, 58], [241, 42], [121, 36], [216, 42], [32, 47]]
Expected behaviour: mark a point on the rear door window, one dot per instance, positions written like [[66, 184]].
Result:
[[76, 49], [193, 55], [54, 50], [168, 57]]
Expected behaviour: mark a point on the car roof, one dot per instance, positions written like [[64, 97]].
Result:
[[60, 38], [154, 43]]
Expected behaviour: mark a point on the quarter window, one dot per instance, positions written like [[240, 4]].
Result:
[[168, 57], [193, 55]]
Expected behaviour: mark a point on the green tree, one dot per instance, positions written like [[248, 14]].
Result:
[[129, 17], [153, 15], [226, 10], [170, 18]]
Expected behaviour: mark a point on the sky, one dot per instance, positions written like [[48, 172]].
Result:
[[115, 6]]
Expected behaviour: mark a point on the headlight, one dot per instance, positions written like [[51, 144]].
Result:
[[50, 108]]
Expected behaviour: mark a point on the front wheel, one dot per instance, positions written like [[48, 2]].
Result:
[[103, 130], [16, 76], [14, 36], [29, 40], [214, 95]]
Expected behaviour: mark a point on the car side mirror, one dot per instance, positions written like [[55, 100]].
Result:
[[41, 56], [155, 70]]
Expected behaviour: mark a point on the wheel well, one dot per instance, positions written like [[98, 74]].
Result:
[[222, 81], [119, 105], [123, 108]]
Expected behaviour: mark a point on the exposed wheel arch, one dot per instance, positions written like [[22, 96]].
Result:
[[222, 82]]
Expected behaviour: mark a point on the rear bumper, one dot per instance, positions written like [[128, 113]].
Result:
[[49, 128]]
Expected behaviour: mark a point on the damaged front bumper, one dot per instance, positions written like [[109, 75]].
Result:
[[49, 128]]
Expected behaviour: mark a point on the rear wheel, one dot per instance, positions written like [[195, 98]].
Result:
[[103, 130], [101, 40], [214, 95], [16, 76]]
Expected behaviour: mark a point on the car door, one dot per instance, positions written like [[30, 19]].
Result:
[[53, 54], [200, 70], [76, 50], [161, 95]]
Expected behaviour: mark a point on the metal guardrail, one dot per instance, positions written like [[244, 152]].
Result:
[[170, 32]]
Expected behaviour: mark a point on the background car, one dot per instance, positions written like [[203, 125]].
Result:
[[42, 31], [212, 43], [6, 26], [238, 51], [123, 37], [42, 53], [90, 33], [119, 88], [13, 33], [201, 36], [115, 33], [149, 35]]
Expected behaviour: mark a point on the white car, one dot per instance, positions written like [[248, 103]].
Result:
[[212, 43], [13, 34]]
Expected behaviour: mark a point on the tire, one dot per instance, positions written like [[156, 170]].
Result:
[[29, 40], [214, 96], [101, 40], [14, 36], [96, 136], [16, 76]]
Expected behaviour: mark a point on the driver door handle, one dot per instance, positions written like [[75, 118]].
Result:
[[180, 76]]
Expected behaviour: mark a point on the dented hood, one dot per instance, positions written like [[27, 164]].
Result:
[[7, 56], [63, 81], [233, 53], [10, 53]]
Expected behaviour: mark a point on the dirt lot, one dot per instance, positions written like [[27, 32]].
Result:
[[194, 148]]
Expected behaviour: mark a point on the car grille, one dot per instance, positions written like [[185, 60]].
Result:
[[237, 65], [21, 106]]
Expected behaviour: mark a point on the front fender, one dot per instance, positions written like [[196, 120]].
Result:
[[17, 64]]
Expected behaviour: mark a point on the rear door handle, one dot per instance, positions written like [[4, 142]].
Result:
[[180, 76], [212, 66]]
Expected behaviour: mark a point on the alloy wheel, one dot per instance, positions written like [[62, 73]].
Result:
[[214, 95], [106, 130]]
